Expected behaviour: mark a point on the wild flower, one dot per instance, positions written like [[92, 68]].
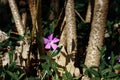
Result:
[[50, 42], [119, 59]]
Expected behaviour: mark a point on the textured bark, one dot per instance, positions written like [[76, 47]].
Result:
[[24, 20], [71, 27], [3, 36], [32, 7], [66, 58], [16, 17], [33, 11], [89, 13], [23, 49], [71, 35], [97, 34], [4, 59], [71, 38], [19, 26]]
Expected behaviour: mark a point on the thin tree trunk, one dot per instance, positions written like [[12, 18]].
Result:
[[19, 27], [39, 26], [24, 20], [32, 6], [22, 50], [97, 34], [89, 12], [66, 58], [16, 17], [71, 37]]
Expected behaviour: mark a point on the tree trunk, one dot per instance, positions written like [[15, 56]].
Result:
[[39, 29], [69, 41], [22, 50], [32, 6], [97, 34], [89, 11], [16, 17], [71, 36]]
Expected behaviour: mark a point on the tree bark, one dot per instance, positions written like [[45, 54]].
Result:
[[33, 6], [39, 31], [66, 57], [71, 38], [96, 34], [16, 17], [89, 11], [22, 50]]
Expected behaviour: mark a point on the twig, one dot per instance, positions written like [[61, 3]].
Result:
[[79, 16], [44, 75]]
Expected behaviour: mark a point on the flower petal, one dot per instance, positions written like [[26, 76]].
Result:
[[54, 46], [46, 40], [50, 37], [119, 59], [47, 46], [55, 40]]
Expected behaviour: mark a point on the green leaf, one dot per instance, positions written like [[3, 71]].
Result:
[[87, 72], [12, 66], [53, 65], [49, 72], [67, 76], [116, 67], [112, 75], [54, 53], [12, 75], [95, 78], [102, 50], [11, 53], [32, 78], [46, 66], [105, 71], [52, 27], [21, 76], [45, 57], [83, 65], [112, 60], [94, 72], [56, 77]]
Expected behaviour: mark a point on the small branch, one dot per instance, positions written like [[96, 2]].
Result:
[[79, 16], [44, 75], [24, 20]]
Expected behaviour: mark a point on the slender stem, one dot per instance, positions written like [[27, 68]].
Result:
[[44, 75], [79, 16]]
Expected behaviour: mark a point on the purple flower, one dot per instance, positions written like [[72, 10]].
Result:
[[119, 59], [50, 42]]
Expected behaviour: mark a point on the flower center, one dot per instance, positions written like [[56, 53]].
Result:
[[50, 41]]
